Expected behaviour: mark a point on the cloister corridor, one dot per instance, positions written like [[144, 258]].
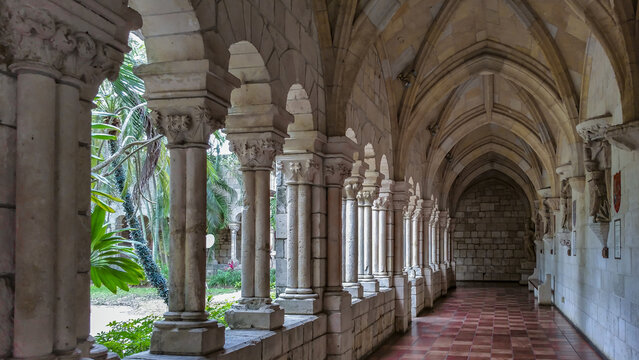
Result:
[[488, 321], [386, 151]]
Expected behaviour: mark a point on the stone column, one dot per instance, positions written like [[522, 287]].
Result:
[[234, 228], [427, 270], [382, 274], [416, 239], [443, 225], [54, 64], [343, 232], [375, 237], [400, 279], [337, 302], [351, 187], [256, 153], [365, 201], [186, 329], [300, 172], [407, 240]]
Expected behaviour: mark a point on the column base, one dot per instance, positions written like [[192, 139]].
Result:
[[261, 316], [186, 337], [355, 289], [384, 281], [370, 285], [299, 305]]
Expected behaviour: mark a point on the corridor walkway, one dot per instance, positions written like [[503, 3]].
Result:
[[481, 321]]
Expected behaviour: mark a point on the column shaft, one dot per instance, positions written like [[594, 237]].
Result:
[[367, 242], [291, 239], [304, 238], [334, 258], [194, 248], [415, 243], [35, 216], [248, 235], [67, 219], [351, 241], [407, 242], [177, 223], [382, 242], [343, 239], [398, 242], [361, 238], [375, 241], [262, 235]]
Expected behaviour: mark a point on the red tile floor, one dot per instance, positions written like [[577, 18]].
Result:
[[488, 321]]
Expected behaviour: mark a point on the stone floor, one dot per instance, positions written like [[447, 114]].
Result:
[[493, 320]]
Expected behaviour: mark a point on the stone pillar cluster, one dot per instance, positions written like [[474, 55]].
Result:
[[52, 67]]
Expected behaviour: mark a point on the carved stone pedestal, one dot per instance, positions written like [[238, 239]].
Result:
[[255, 316]]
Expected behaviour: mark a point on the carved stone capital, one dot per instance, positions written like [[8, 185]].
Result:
[[365, 198], [300, 171], [593, 129], [185, 126], [336, 170], [38, 40], [351, 187], [381, 203], [258, 153]]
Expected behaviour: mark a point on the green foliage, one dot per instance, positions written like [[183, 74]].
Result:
[[226, 278], [112, 264], [217, 311], [128, 337], [272, 278]]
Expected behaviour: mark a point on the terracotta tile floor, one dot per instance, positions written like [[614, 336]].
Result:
[[488, 321]]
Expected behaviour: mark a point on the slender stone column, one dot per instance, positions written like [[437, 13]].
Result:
[[336, 170], [381, 274], [256, 153], [300, 172], [408, 244], [351, 188], [185, 329], [234, 228], [417, 241], [343, 232], [375, 237]]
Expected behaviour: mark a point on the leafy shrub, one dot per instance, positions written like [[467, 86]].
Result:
[[128, 337], [226, 278], [217, 311]]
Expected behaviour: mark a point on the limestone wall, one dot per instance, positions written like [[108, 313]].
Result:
[[489, 232], [373, 321], [7, 207]]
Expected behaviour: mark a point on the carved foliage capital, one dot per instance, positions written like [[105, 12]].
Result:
[[300, 171], [381, 203], [365, 198], [335, 172], [185, 126], [351, 187], [32, 35], [256, 153]]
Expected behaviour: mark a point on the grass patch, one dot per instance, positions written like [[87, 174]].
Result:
[[102, 295]]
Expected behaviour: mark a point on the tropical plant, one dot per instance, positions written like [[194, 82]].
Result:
[[113, 264], [128, 337]]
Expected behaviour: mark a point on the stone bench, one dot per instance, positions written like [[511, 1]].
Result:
[[543, 291]]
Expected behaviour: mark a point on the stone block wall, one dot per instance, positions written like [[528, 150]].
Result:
[[7, 207], [222, 246], [490, 224], [374, 321]]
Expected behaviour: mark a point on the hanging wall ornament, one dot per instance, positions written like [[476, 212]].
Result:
[[617, 191]]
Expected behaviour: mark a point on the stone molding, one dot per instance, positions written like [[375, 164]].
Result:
[[624, 136], [256, 154]]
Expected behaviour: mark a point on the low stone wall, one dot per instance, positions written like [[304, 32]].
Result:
[[417, 286], [373, 318]]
